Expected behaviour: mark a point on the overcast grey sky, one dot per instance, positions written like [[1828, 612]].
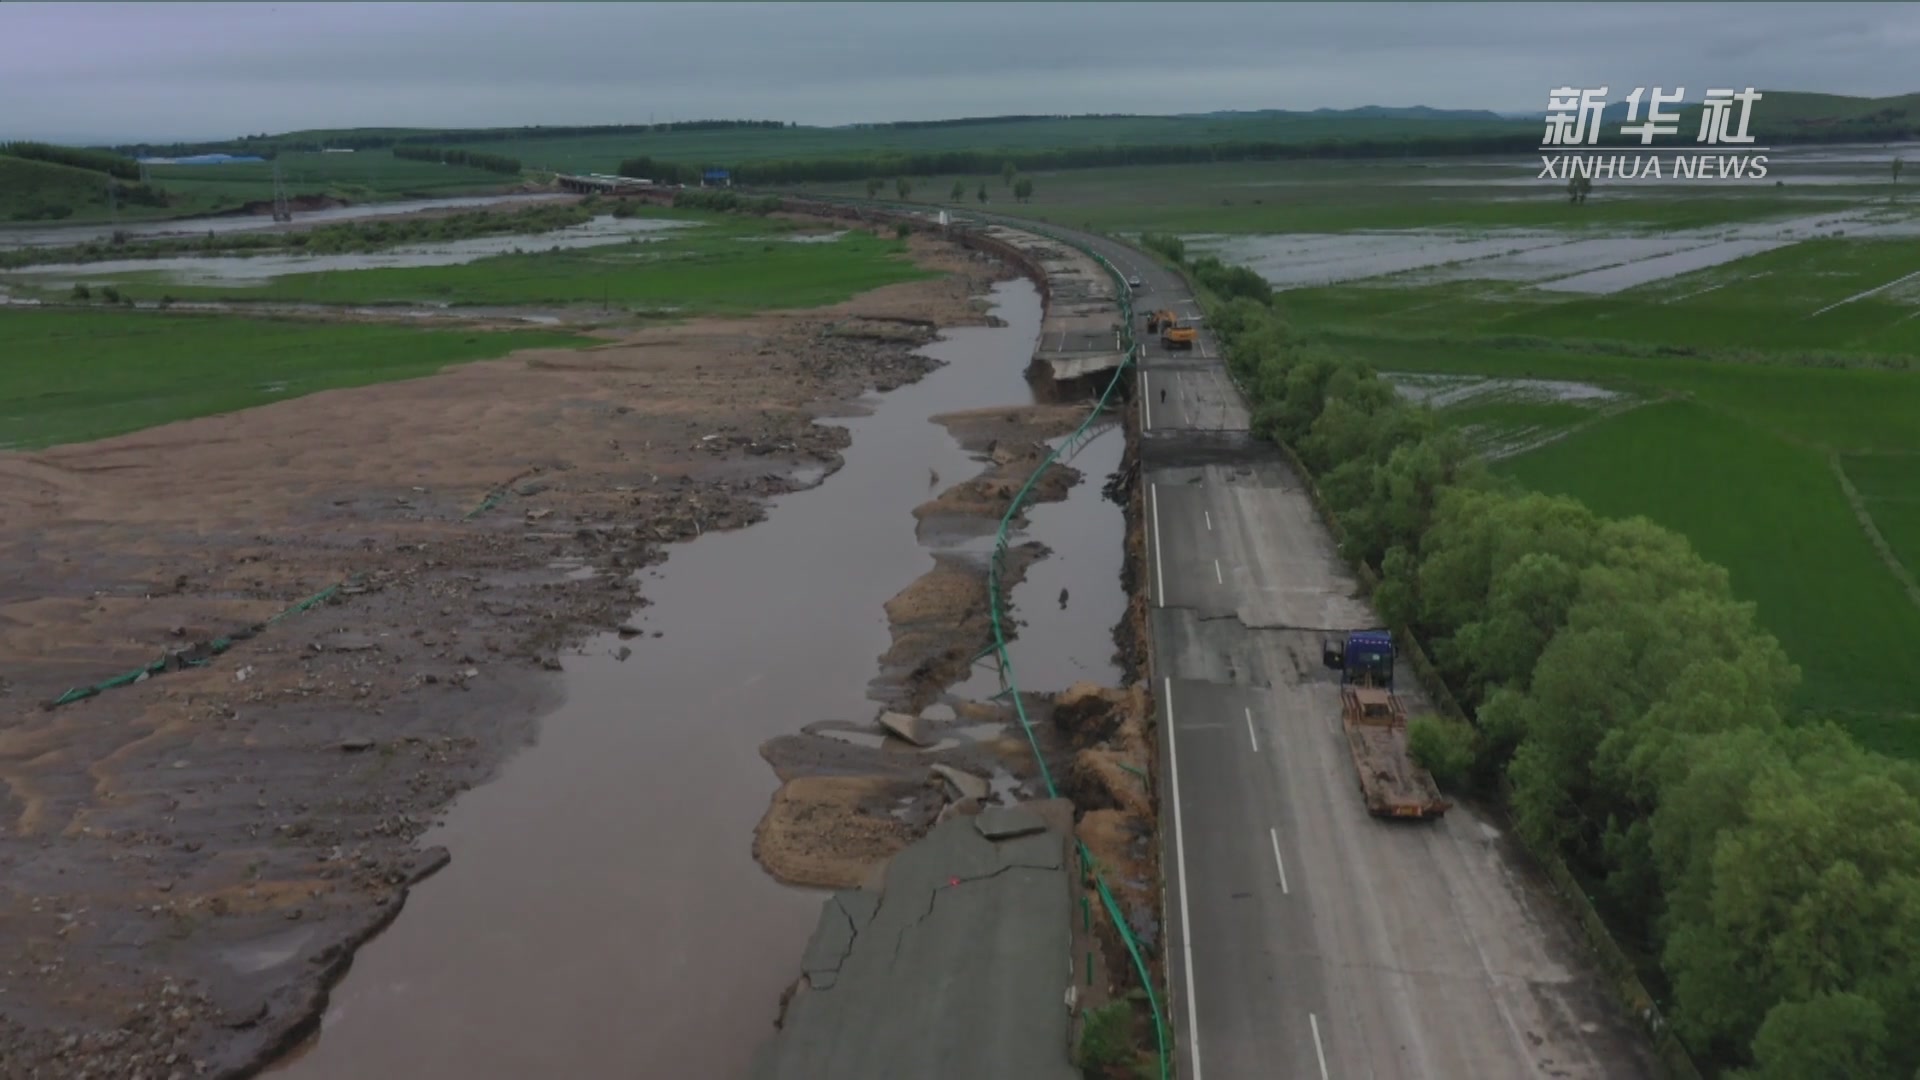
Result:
[[158, 71]]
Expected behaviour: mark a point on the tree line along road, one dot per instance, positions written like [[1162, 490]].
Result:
[[1306, 938]]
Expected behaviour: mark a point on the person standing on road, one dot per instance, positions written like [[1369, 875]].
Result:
[[1163, 395]]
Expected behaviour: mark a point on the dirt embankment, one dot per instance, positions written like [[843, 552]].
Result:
[[852, 796], [855, 793], [186, 861]]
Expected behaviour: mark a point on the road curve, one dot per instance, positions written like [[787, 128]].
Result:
[[1306, 938]]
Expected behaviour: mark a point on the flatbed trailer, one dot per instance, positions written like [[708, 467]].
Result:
[[1393, 784]]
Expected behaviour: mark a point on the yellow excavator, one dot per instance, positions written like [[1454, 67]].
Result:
[[1173, 333]]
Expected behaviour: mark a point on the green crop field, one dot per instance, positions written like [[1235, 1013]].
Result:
[[1899, 523], [729, 264], [1808, 299], [1889, 485], [364, 176], [40, 191], [1771, 513], [733, 146], [1741, 388], [1336, 196], [71, 376]]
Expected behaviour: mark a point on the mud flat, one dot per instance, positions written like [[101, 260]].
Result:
[[186, 862], [620, 849], [877, 996]]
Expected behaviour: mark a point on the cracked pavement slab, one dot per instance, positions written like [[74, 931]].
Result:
[[952, 967]]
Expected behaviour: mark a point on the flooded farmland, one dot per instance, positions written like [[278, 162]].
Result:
[[68, 235], [1586, 261], [253, 269]]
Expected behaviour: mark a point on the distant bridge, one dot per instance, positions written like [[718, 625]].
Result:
[[599, 183]]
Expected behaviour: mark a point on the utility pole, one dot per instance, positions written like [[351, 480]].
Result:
[[282, 211]]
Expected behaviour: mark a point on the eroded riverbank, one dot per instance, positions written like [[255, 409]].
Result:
[[188, 859], [618, 851]]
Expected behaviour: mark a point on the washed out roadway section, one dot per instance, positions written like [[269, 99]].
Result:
[[1308, 939], [952, 967]]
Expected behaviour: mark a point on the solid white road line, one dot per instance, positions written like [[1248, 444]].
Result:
[[1209, 514], [1251, 737], [1319, 1051], [1275, 833], [1146, 404], [1217, 579], [1159, 577], [1180, 868]]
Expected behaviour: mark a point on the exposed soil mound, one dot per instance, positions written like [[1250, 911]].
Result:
[[939, 624], [830, 831], [1088, 714], [1122, 845]]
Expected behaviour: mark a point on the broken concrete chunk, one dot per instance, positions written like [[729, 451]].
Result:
[[1034, 850], [939, 712], [1007, 822], [966, 784], [356, 743], [910, 728], [352, 643]]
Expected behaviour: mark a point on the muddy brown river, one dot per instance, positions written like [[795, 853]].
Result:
[[603, 914]]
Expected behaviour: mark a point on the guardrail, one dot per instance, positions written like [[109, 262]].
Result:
[[1130, 354], [1130, 350]]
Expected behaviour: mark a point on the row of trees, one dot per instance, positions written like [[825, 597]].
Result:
[[660, 172], [721, 200], [976, 121], [1636, 714], [903, 188], [949, 162], [471, 158], [92, 160], [268, 145]]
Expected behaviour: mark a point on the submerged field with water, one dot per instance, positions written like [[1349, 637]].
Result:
[[684, 262], [1740, 364]]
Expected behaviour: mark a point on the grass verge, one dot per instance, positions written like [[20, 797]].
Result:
[[73, 376]]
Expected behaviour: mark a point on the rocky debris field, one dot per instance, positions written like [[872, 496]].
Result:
[[187, 861], [856, 792]]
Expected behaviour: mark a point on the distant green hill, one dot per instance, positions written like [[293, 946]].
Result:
[[1786, 114], [1371, 112], [1789, 117], [42, 191]]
